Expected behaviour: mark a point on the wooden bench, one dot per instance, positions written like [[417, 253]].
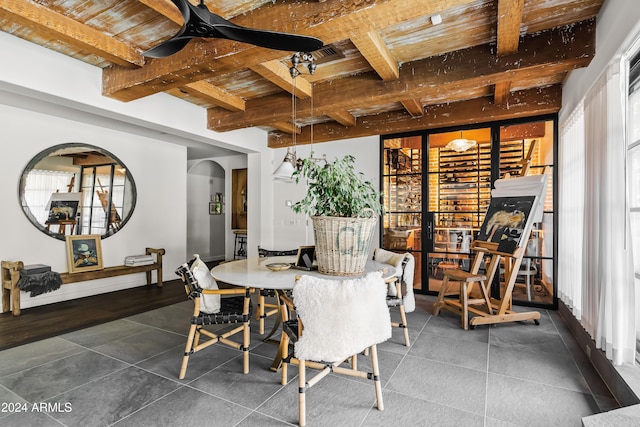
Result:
[[11, 275]]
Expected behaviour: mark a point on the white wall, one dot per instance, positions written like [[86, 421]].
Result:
[[159, 218], [618, 23], [205, 232], [292, 230]]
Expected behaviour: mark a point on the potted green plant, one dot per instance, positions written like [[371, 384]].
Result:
[[344, 209]]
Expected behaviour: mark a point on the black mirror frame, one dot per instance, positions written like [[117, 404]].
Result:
[[45, 153]]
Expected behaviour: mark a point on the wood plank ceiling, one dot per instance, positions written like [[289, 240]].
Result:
[[387, 65]]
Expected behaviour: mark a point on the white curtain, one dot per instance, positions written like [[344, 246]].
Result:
[[570, 211], [608, 298], [37, 191]]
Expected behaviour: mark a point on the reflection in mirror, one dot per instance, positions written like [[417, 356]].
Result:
[[69, 189]]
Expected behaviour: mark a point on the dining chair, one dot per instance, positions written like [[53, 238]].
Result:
[[329, 322], [266, 309], [400, 286], [235, 308]]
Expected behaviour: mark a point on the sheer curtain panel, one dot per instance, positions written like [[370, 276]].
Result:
[[608, 303], [571, 211]]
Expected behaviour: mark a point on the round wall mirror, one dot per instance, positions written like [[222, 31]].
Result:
[[74, 188]]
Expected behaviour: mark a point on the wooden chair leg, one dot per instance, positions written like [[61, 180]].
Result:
[[187, 351], [284, 353], [376, 376], [441, 294], [260, 312], [302, 380], [245, 346], [404, 325], [464, 302]]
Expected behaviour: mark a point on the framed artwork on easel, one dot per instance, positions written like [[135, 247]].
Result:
[[505, 222]]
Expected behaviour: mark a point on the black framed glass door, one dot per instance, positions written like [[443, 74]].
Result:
[[436, 195]]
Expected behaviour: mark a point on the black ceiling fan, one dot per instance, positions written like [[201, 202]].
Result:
[[200, 22]]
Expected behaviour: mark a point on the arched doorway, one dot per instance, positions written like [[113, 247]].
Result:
[[205, 222]]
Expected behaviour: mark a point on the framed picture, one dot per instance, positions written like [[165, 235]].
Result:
[[304, 260], [216, 206], [84, 253], [505, 222], [63, 207]]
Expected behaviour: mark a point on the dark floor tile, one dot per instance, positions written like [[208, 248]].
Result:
[[528, 403], [333, 401], [442, 383], [34, 354], [187, 407], [403, 410], [256, 419], [30, 418], [469, 354], [102, 334], [250, 390], [556, 369], [48, 380], [448, 324], [141, 346], [113, 397], [168, 364]]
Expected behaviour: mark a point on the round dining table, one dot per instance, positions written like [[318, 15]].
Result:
[[253, 272]]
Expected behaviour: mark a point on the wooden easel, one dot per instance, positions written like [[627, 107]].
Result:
[[491, 311], [501, 309], [113, 219], [62, 223]]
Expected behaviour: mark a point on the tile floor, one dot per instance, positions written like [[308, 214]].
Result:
[[125, 373]]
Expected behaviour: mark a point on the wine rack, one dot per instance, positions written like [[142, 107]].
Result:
[[464, 186]]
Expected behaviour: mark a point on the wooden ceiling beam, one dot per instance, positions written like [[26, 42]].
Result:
[[558, 49], [343, 117], [526, 103], [376, 52], [413, 107], [165, 8], [215, 95], [501, 92], [168, 9], [278, 74], [287, 127], [509, 23], [59, 27], [330, 21]]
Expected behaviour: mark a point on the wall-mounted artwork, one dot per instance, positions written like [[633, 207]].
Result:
[[216, 206]]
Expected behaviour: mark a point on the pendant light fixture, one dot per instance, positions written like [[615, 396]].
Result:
[[460, 144], [284, 172]]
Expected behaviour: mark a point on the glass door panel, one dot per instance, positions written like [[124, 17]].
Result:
[[402, 190], [534, 281], [436, 195], [459, 180]]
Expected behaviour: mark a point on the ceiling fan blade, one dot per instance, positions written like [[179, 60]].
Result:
[[168, 48], [269, 39], [199, 21]]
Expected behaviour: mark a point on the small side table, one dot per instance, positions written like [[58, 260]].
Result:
[[239, 246]]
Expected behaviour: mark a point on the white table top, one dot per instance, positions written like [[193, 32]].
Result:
[[253, 273]]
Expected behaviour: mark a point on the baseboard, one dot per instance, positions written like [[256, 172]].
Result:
[[621, 390]]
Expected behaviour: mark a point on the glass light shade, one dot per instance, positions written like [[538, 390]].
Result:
[[460, 144], [285, 171]]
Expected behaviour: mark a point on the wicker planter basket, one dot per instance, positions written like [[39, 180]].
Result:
[[343, 244]]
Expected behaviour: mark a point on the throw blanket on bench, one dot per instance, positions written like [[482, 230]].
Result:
[[39, 283]]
